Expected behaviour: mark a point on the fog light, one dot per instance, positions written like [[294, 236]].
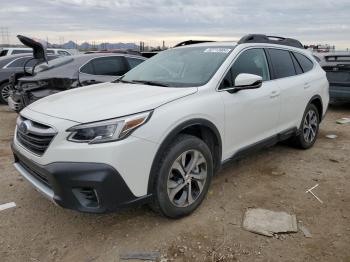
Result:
[[86, 196]]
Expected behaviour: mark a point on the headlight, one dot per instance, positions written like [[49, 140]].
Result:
[[108, 130]]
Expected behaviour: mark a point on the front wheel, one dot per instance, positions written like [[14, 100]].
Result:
[[309, 128], [4, 92], [183, 177]]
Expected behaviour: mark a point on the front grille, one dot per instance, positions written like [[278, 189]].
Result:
[[41, 177], [34, 136]]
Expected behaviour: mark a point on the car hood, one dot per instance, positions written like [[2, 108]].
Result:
[[107, 100]]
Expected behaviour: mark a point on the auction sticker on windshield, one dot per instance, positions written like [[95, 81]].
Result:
[[217, 50]]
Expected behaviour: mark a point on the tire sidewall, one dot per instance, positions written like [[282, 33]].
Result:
[[303, 142], [175, 150]]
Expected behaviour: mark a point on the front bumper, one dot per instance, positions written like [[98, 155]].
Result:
[[85, 187]]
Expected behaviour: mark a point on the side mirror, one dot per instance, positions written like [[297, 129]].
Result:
[[247, 81]]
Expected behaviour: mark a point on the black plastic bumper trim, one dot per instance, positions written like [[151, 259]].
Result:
[[112, 191]]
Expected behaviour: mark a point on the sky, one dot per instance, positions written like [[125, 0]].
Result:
[[152, 21]]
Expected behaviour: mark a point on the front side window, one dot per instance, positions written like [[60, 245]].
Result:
[[114, 66], [304, 62], [181, 67], [252, 61], [282, 63]]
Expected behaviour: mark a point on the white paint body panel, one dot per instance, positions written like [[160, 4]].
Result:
[[242, 118]]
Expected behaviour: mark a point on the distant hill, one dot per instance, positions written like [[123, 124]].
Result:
[[88, 46]]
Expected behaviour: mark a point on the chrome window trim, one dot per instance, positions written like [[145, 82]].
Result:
[[264, 47]]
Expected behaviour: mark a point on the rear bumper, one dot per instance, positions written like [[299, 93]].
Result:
[[85, 187], [339, 93]]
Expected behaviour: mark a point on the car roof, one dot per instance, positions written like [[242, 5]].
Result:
[[94, 55], [211, 44]]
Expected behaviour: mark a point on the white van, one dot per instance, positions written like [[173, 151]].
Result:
[[19, 50]]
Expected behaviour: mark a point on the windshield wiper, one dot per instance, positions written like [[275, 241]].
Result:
[[151, 83]]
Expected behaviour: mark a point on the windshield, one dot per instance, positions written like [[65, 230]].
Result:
[[53, 64], [180, 67]]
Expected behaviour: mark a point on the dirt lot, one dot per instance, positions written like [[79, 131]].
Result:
[[276, 179]]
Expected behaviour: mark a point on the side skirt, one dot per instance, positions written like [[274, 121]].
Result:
[[265, 143]]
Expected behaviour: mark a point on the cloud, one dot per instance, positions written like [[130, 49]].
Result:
[[173, 20]]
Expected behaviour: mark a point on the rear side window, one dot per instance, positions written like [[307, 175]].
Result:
[[19, 51], [133, 62], [304, 62], [88, 69], [114, 66], [21, 61], [282, 63], [50, 52]]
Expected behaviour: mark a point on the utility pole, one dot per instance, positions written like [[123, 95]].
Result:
[[5, 35]]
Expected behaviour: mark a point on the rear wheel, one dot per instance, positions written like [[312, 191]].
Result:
[[183, 177], [4, 92], [309, 128]]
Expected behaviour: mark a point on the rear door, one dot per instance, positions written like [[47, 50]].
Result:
[[293, 87], [251, 115], [102, 69]]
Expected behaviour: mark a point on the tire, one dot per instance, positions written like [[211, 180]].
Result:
[[308, 129], [4, 89], [183, 177]]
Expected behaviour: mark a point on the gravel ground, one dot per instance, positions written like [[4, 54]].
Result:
[[275, 179]]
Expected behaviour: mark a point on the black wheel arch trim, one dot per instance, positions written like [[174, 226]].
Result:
[[322, 109], [312, 99], [170, 137]]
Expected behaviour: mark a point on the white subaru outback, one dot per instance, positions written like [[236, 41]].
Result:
[[158, 134]]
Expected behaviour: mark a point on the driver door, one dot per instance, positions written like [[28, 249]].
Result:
[[252, 115]]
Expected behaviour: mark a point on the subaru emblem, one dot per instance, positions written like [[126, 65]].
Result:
[[24, 126]]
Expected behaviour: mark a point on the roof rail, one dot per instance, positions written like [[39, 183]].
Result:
[[192, 42], [259, 38]]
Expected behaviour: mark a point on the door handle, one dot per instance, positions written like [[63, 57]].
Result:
[[306, 85], [274, 94]]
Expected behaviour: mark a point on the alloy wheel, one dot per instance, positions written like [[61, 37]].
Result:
[[5, 92], [187, 178], [310, 126]]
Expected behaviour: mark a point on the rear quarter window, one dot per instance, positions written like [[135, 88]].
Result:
[[133, 62], [304, 62], [297, 66], [282, 63], [87, 69]]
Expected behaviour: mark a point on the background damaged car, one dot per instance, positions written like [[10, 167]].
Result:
[[14, 64], [337, 67], [70, 72]]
